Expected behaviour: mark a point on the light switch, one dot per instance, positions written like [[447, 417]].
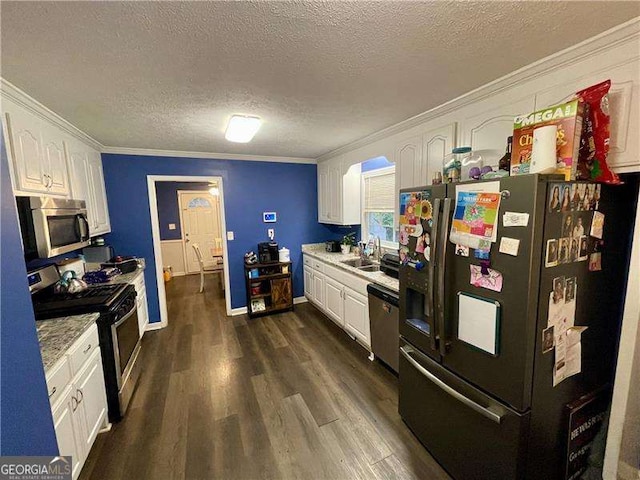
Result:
[[172, 226], [230, 236], [271, 233]]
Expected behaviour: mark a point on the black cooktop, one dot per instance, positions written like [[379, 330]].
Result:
[[99, 298]]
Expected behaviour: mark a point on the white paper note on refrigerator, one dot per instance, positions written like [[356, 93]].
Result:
[[478, 322]]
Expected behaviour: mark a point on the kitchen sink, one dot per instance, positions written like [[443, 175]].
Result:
[[370, 268], [359, 262]]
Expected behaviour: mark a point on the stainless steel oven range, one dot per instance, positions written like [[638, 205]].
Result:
[[117, 328]]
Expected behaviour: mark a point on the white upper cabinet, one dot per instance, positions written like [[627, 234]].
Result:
[[37, 154], [323, 192], [624, 109], [96, 183], [436, 143], [55, 161], [87, 183], [419, 157], [408, 159], [487, 124], [338, 193]]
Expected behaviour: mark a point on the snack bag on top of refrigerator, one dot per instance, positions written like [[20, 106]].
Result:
[[594, 143]]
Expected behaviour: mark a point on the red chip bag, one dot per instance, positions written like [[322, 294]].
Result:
[[594, 147]]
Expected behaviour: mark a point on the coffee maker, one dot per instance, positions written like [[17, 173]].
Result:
[[268, 252]]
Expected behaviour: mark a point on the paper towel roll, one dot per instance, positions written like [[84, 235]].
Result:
[[543, 151]]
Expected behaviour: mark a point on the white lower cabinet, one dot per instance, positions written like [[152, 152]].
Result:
[[79, 406], [142, 307], [334, 301], [356, 315], [68, 429], [318, 288], [340, 295], [313, 284]]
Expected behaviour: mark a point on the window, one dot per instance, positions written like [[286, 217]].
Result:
[[199, 202], [378, 205]]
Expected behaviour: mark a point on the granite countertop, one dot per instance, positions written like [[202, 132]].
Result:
[[317, 250], [56, 335], [127, 277]]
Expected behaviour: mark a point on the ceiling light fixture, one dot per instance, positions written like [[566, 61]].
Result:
[[215, 191], [241, 129]]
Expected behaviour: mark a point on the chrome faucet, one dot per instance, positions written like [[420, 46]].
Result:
[[377, 250]]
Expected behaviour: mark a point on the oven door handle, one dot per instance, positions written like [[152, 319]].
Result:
[[125, 317]]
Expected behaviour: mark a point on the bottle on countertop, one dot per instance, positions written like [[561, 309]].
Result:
[[505, 161]]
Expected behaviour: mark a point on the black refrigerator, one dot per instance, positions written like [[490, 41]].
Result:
[[484, 383]]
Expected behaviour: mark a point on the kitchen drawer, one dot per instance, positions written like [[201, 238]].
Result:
[[318, 265], [308, 261], [82, 349], [58, 377]]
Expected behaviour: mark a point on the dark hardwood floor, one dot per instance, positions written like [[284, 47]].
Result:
[[285, 396]]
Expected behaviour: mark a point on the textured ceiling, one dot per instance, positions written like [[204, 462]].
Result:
[[167, 75]]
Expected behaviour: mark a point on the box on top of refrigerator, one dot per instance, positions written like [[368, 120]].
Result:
[[568, 118]]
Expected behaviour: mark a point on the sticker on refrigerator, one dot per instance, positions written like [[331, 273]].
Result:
[[462, 250], [548, 340], [563, 250], [509, 246], [475, 218], [491, 281], [595, 262], [479, 322], [584, 249], [597, 225], [551, 258], [515, 219]]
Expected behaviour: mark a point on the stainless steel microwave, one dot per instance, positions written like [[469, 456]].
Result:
[[52, 226]]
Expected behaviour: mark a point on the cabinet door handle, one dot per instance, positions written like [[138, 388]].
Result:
[[53, 391], [74, 407], [81, 395], [87, 349]]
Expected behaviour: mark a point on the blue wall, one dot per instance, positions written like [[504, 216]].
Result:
[[26, 426], [168, 210], [250, 188], [376, 163]]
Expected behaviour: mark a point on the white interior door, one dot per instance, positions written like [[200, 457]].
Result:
[[200, 218]]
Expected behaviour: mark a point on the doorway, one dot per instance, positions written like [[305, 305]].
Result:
[[201, 221], [200, 224]]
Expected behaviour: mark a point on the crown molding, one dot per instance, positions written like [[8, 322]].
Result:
[[13, 93], [623, 33], [149, 152]]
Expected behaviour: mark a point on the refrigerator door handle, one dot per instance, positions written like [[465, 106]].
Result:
[[442, 256], [431, 273], [484, 411]]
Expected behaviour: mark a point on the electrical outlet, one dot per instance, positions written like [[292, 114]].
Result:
[[172, 226], [272, 233], [230, 236]]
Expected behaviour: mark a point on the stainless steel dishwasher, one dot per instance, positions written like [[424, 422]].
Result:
[[383, 318]]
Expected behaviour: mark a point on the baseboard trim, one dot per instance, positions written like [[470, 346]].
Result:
[[627, 472], [154, 326], [299, 300]]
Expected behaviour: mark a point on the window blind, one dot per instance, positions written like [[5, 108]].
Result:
[[379, 192]]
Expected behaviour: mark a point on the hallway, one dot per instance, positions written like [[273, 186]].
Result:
[[283, 396]]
